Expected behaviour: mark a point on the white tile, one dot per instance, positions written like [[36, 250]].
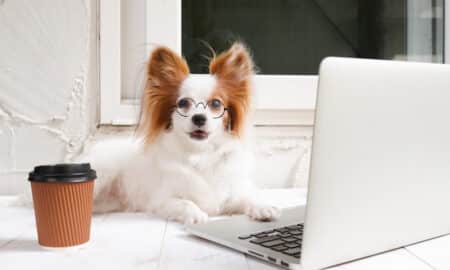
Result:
[[24, 252], [137, 241], [119, 241], [130, 240], [14, 221], [183, 251], [435, 252], [394, 260]]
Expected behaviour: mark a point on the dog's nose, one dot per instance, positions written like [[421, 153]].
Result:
[[199, 119]]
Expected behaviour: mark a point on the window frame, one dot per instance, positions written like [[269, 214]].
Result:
[[294, 108]]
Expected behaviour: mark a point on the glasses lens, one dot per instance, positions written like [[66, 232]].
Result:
[[216, 107], [185, 106]]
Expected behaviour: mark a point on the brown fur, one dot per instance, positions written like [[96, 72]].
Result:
[[165, 73], [234, 69]]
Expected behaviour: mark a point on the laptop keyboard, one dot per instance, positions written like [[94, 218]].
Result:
[[286, 240]]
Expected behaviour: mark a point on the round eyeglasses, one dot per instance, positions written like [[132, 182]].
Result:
[[187, 107]]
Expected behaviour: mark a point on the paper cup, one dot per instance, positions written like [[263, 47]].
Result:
[[63, 199]]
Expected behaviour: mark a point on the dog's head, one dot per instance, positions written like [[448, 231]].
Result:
[[197, 108]]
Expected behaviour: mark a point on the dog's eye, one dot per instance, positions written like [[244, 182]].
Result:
[[185, 106], [216, 104], [184, 103]]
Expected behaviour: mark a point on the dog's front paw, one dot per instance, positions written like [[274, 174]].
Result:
[[263, 213], [192, 214]]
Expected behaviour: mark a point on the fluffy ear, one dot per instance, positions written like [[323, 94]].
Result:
[[234, 70], [235, 65], [165, 73], [166, 68]]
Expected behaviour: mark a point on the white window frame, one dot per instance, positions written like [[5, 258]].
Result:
[[294, 107], [447, 32]]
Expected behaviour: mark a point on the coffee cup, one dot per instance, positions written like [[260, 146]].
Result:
[[63, 201]]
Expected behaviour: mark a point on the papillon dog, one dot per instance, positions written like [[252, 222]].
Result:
[[191, 159]]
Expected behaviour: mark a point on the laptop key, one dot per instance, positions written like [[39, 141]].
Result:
[[295, 232], [285, 235], [267, 233], [291, 251], [243, 237], [290, 239], [279, 248], [297, 255], [272, 243], [264, 239], [282, 230], [260, 235], [291, 245]]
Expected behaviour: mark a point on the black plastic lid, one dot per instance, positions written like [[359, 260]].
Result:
[[63, 173]]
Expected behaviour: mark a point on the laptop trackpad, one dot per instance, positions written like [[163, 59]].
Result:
[[232, 227]]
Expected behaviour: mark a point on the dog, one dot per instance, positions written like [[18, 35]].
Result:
[[191, 158]]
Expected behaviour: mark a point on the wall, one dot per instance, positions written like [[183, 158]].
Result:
[[48, 84], [283, 160]]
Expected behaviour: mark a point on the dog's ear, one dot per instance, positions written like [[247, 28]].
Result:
[[166, 68], [234, 70], [165, 73], [233, 66]]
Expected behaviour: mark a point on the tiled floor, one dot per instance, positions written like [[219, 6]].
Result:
[[137, 241]]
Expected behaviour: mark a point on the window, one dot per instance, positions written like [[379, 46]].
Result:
[[288, 39]]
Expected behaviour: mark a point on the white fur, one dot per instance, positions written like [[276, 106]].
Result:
[[178, 177], [199, 89]]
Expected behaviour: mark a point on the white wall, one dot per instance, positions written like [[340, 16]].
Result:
[[48, 84]]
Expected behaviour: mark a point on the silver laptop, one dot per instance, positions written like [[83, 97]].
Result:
[[380, 169]]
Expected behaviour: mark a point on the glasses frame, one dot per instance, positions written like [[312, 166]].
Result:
[[205, 106]]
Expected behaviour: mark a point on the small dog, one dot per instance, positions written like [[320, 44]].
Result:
[[191, 159]]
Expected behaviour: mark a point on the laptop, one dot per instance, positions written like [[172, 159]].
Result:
[[380, 169]]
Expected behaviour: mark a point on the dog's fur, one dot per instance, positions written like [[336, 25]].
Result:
[[168, 171]]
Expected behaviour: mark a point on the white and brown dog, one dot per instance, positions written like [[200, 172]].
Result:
[[191, 160]]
